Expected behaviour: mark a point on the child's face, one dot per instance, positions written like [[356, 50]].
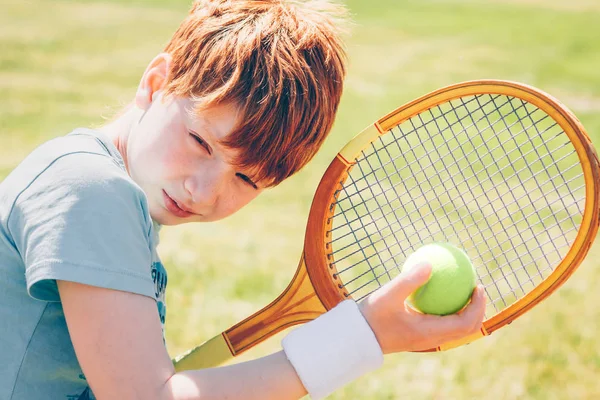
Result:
[[177, 160]]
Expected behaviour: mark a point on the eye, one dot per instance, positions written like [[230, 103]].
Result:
[[246, 179], [200, 141]]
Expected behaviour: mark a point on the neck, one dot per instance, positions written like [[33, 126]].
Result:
[[118, 129]]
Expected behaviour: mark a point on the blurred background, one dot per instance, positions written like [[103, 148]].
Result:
[[65, 64]]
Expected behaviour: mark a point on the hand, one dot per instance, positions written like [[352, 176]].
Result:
[[398, 327]]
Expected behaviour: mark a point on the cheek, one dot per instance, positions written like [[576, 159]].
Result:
[[164, 154], [174, 159], [237, 201], [162, 145]]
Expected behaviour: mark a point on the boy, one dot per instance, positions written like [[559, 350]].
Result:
[[241, 99]]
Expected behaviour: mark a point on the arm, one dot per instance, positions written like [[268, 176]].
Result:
[[118, 342], [122, 354]]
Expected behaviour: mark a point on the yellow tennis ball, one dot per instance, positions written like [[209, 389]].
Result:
[[452, 280]]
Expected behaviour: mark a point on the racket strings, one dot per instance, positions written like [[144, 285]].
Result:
[[434, 151], [476, 245], [474, 173], [486, 173], [493, 283], [392, 160], [482, 242], [423, 194], [551, 179], [355, 182], [362, 250], [513, 243]]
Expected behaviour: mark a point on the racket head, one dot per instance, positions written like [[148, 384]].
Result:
[[500, 169]]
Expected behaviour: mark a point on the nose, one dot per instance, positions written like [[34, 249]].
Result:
[[205, 186]]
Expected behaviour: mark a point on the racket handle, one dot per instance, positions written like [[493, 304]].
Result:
[[212, 353]]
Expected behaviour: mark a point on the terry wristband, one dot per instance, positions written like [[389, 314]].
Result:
[[333, 350]]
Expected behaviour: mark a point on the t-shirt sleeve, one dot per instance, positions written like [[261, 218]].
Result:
[[83, 220]]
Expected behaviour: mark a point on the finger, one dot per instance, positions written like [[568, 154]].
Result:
[[407, 282], [464, 323], [471, 318], [475, 312]]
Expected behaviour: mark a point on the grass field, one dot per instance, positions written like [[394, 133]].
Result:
[[65, 64]]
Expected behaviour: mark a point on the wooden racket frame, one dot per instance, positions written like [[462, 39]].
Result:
[[316, 288], [322, 209]]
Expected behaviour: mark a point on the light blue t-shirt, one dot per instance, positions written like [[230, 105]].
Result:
[[69, 211]]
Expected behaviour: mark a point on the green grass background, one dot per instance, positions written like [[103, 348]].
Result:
[[65, 64]]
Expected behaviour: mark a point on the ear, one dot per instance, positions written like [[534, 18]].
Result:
[[154, 79]]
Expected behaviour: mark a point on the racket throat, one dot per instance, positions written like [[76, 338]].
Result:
[[297, 304]]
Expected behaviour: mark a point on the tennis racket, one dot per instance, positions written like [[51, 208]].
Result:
[[500, 169]]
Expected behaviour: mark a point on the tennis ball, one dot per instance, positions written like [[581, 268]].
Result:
[[452, 280]]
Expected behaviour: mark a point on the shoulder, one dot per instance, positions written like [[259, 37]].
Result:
[[78, 157], [74, 174], [76, 215], [83, 160]]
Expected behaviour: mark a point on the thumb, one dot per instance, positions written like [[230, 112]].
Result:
[[408, 281]]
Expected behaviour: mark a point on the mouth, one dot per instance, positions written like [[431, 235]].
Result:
[[174, 208]]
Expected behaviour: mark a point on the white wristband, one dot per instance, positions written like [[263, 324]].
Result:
[[333, 350]]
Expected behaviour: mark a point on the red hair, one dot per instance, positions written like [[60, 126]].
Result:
[[281, 62]]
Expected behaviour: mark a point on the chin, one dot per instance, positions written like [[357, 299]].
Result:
[[164, 218], [169, 220], [159, 219]]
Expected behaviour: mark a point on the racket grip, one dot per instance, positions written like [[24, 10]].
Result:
[[212, 353]]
